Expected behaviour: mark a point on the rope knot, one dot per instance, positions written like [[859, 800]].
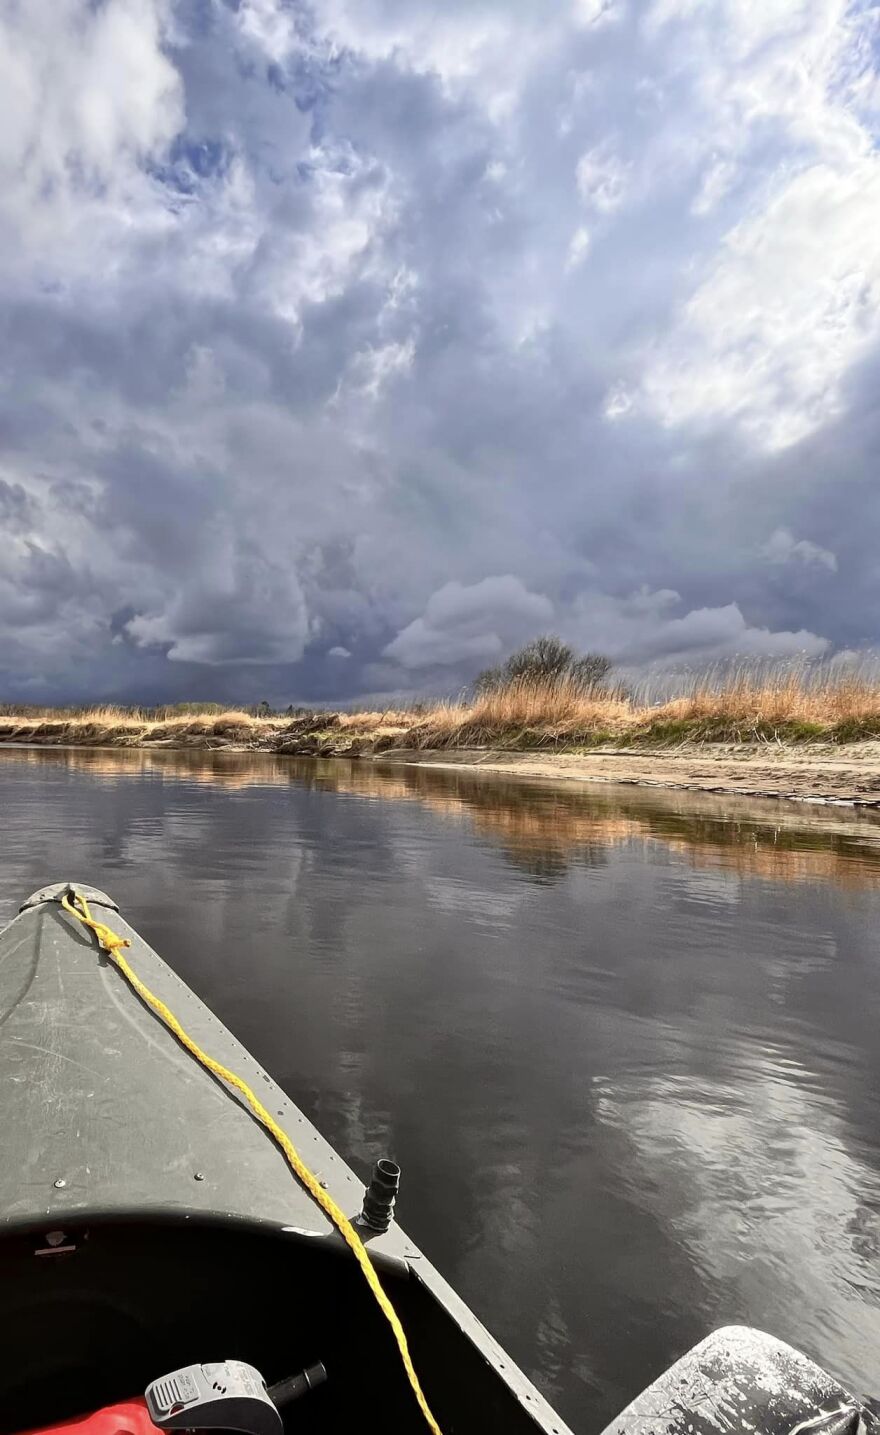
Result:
[[107, 938]]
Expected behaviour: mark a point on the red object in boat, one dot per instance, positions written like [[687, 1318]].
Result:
[[128, 1417]]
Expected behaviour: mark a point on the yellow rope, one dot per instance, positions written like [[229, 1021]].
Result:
[[113, 944]]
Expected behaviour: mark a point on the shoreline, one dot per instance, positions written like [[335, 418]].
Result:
[[818, 773], [847, 777]]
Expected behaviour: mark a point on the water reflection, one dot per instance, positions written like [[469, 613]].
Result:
[[735, 1161], [541, 827], [623, 1043]]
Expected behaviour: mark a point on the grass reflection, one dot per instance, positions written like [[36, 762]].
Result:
[[542, 828]]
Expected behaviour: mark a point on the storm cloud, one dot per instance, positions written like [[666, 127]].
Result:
[[347, 345]]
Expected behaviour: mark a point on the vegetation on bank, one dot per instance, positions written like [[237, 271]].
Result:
[[546, 662], [566, 708]]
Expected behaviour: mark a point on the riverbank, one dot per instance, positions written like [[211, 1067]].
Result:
[[809, 770], [844, 775]]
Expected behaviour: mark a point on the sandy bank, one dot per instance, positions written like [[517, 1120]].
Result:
[[821, 772], [816, 771]]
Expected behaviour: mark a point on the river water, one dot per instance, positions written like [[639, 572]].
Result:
[[623, 1043]]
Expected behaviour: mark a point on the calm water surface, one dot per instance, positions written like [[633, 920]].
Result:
[[624, 1044]]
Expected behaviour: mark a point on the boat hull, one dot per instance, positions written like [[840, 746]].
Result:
[[147, 1220]]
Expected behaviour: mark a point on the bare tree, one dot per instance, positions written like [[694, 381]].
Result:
[[548, 660]]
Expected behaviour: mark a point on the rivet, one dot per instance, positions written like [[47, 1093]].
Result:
[[60, 1184], [199, 1176]]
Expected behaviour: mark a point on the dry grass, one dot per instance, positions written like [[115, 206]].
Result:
[[128, 717], [758, 703], [128, 726], [794, 703], [525, 713]]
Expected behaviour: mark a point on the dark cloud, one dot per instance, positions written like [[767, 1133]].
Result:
[[18, 511], [345, 347]]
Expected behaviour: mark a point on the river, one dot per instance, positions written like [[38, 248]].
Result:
[[623, 1043]]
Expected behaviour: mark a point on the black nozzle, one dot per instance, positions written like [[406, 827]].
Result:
[[380, 1195], [296, 1385]]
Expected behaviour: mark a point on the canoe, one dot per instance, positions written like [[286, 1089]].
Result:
[[153, 1238], [148, 1221]]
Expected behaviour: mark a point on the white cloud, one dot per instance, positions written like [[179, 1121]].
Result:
[[486, 49], [595, 13], [790, 305], [375, 367], [351, 209], [792, 299], [268, 25], [644, 627], [452, 43], [782, 547], [484, 621], [479, 622], [86, 96], [601, 178], [242, 609], [618, 402], [338, 653], [715, 182], [578, 249], [289, 339]]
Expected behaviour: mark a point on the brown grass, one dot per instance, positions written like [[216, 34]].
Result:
[[523, 714], [763, 703], [129, 726], [112, 716], [788, 703]]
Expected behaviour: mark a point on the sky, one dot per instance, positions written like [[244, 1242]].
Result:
[[346, 346]]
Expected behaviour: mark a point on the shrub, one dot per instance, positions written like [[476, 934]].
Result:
[[546, 661]]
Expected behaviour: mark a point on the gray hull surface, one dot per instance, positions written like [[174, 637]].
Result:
[[116, 1138]]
